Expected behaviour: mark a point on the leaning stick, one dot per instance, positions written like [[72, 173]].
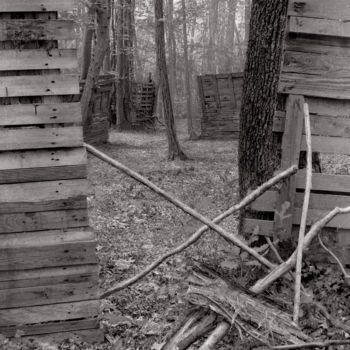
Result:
[[245, 202], [303, 216], [280, 270]]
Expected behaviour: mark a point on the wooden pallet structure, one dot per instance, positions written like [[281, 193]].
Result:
[[48, 266], [143, 103], [316, 70], [96, 128], [220, 96]]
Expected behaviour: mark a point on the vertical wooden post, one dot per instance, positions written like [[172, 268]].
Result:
[[290, 155]]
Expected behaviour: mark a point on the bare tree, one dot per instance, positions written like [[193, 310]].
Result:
[[125, 62], [187, 74], [174, 149]]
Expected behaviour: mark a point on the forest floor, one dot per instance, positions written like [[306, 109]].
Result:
[[134, 227]]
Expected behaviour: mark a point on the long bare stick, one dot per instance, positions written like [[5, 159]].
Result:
[[194, 238], [280, 270], [311, 345], [303, 216]]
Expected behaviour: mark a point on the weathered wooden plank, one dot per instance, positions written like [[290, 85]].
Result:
[[36, 5], [89, 335], [64, 254], [335, 9], [324, 144], [50, 220], [290, 156], [320, 126], [318, 45], [340, 221], [36, 29], [11, 60], [39, 85], [38, 138], [323, 201], [45, 238], [49, 332], [78, 202], [47, 313], [260, 227], [319, 26], [48, 276], [39, 295], [322, 65], [42, 165], [42, 158], [309, 85], [34, 114], [325, 182], [33, 192]]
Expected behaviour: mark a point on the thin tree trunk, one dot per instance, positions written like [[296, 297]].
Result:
[[102, 12], [174, 149], [213, 27], [124, 63], [187, 74], [171, 43]]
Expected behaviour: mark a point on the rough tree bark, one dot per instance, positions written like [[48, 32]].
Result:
[[257, 159], [102, 13], [174, 149], [190, 130]]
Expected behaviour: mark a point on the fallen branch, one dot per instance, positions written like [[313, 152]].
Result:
[[184, 207], [195, 237], [303, 216], [324, 344], [280, 270], [346, 275], [217, 334], [196, 326]]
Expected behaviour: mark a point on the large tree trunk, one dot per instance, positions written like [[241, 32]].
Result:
[[125, 63], [257, 156], [190, 130], [102, 11], [174, 149]]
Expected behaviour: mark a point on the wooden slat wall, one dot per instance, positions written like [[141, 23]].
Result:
[[220, 97], [317, 66], [48, 265]]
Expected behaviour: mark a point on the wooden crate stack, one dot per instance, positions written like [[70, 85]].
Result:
[[220, 96], [48, 266], [316, 69]]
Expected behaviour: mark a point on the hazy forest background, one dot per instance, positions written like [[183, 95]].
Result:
[[215, 43]]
